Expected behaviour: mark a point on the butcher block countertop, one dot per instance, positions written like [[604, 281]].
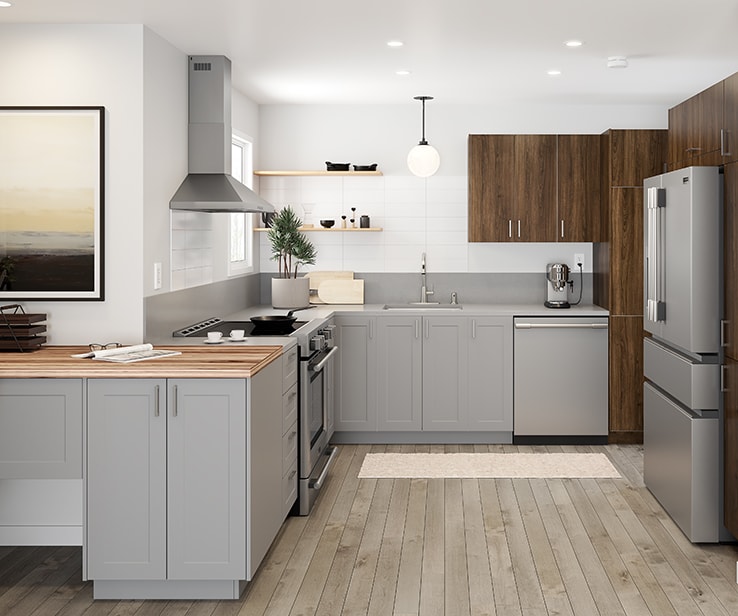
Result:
[[197, 362]]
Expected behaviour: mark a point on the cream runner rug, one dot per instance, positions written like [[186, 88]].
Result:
[[486, 465]]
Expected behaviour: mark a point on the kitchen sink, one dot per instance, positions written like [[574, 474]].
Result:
[[422, 306]]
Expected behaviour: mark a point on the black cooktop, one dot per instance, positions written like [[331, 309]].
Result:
[[200, 330]]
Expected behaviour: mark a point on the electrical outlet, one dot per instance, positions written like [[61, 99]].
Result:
[[578, 258], [157, 275]]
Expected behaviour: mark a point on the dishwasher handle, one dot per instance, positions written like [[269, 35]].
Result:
[[560, 325]]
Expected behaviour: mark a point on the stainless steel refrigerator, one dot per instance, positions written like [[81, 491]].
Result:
[[683, 355]]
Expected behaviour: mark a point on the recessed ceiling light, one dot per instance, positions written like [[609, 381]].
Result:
[[573, 43], [395, 43], [402, 72], [554, 71], [4, 4]]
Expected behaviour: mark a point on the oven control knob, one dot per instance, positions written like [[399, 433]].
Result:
[[317, 343]]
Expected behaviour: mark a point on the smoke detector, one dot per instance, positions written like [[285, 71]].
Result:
[[617, 62]]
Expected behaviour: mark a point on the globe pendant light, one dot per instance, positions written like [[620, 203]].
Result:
[[423, 160]]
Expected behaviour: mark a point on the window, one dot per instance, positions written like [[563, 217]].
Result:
[[240, 252]]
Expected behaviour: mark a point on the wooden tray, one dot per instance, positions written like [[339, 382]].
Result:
[[21, 318], [20, 331], [25, 344]]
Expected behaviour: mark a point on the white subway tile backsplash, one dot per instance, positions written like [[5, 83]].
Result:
[[179, 239], [417, 215]]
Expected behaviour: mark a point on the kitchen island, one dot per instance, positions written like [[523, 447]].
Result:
[[177, 463]]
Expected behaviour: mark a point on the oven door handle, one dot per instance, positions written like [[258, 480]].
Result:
[[318, 483], [321, 364]]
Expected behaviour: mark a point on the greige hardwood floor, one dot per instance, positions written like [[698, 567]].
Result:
[[454, 547]]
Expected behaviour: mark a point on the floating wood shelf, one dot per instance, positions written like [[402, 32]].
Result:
[[349, 229], [296, 173]]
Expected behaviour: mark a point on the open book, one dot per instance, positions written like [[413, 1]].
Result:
[[129, 354]]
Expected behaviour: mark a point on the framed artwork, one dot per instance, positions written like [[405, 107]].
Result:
[[52, 173]]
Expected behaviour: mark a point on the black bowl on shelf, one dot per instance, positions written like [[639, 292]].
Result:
[[337, 166], [372, 167], [327, 223]]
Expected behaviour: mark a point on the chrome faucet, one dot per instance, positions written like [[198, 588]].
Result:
[[424, 292]]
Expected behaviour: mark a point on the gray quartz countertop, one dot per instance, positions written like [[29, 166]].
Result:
[[321, 311], [514, 310]]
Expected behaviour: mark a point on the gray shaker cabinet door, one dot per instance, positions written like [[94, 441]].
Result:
[[490, 373], [126, 479], [41, 428], [445, 373], [399, 373], [356, 377], [206, 461]]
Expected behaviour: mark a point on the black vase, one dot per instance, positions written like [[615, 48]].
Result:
[[267, 218]]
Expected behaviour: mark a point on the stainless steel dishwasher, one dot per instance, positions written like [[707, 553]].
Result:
[[560, 374]]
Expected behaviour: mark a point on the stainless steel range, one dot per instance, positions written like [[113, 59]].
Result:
[[315, 389]]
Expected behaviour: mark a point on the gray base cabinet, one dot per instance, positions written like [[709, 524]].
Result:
[[41, 428], [399, 374], [356, 374], [467, 374], [166, 482], [432, 373]]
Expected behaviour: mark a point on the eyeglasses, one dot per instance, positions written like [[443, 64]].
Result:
[[101, 347]]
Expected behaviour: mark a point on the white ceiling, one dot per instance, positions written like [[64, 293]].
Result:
[[459, 51]]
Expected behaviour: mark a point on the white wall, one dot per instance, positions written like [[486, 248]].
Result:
[[47, 65], [165, 151], [417, 215]]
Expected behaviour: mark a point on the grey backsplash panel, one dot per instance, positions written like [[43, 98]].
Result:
[[170, 311], [470, 288]]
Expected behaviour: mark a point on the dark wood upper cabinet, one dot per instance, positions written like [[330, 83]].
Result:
[[730, 119], [535, 188], [635, 155], [491, 187], [579, 188], [695, 129], [513, 193]]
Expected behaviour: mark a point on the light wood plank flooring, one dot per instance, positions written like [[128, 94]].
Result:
[[454, 547]]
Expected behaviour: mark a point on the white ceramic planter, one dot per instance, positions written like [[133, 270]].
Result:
[[290, 292]]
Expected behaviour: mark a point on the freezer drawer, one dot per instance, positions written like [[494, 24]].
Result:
[[681, 464], [560, 376], [694, 384]]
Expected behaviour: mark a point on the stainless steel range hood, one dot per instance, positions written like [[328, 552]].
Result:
[[209, 187]]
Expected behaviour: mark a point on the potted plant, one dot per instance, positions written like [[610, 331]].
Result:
[[291, 249]]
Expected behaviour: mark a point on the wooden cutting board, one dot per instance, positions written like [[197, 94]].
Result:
[[341, 291], [318, 277]]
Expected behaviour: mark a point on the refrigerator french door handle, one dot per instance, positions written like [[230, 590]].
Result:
[[656, 275]]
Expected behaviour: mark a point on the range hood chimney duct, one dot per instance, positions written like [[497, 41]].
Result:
[[209, 187]]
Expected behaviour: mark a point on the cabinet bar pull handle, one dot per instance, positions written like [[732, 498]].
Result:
[[724, 143], [371, 330], [174, 402], [518, 228], [427, 329], [417, 329], [561, 326], [562, 227], [723, 323], [509, 228], [156, 401], [723, 387], [474, 328]]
